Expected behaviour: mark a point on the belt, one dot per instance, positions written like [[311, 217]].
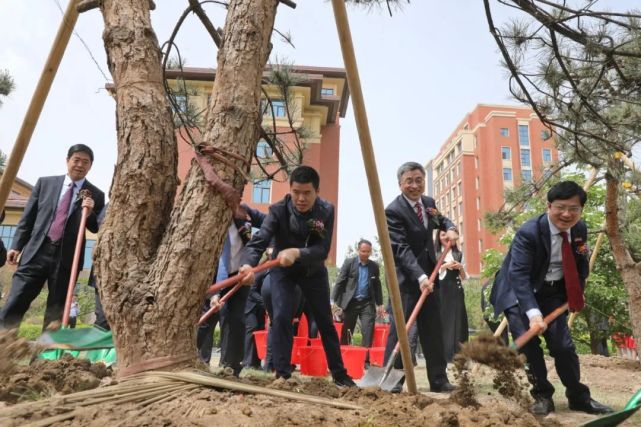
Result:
[[51, 242], [558, 282]]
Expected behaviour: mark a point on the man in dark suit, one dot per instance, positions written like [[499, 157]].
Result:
[[301, 227], [358, 294], [411, 220], [547, 265], [232, 314], [45, 238]]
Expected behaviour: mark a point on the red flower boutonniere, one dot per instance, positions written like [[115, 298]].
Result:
[[434, 214], [581, 247], [316, 226]]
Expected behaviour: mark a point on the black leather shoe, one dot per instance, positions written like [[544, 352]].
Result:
[[397, 388], [590, 406], [443, 388], [542, 406], [344, 381]]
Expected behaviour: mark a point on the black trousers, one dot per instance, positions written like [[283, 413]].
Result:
[[101, 320], [232, 330], [315, 289], [428, 324], [365, 311], [27, 282], [205, 334], [254, 321], [559, 342]]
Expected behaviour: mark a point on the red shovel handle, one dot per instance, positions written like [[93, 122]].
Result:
[[523, 339], [74, 266], [424, 294], [231, 281]]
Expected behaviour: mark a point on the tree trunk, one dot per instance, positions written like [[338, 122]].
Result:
[[153, 263], [626, 266]]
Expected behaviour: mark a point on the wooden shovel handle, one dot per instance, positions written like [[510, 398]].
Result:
[[74, 266], [527, 336]]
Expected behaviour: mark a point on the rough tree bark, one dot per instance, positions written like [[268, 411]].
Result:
[[154, 262], [629, 270]]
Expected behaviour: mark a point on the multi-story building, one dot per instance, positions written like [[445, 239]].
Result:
[[316, 103], [495, 147]]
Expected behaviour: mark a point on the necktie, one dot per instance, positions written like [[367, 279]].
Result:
[[571, 275], [60, 218], [419, 212]]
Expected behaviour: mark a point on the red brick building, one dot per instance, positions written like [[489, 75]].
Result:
[[318, 101], [493, 148]]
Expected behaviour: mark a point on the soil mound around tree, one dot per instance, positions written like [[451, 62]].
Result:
[[41, 378]]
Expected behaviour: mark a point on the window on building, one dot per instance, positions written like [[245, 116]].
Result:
[[6, 234], [478, 203], [263, 150], [478, 224], [460, 208], [526, 175], [506, 153], [505, 132], [478, 182], [180, 102], [480, 245], [261, 190], [460, 189], [459, 147], [525, 157], [547, 155], [476, 162], [327, 91], [460, 229], [277, 105], [507, 174], [458, 169], [524, 135]]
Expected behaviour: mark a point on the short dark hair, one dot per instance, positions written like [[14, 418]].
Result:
[[566, 190], [304, 175], [80, 148], [363, 241], [407, 167]]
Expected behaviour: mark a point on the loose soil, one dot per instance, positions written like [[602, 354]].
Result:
[[612, 381]]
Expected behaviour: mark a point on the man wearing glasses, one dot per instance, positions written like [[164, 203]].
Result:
[[547, 265]]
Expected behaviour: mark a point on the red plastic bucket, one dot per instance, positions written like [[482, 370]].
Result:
[[376, 356], [381, 332], [313, 361], [302, 327], [354, 360], [339, 329], [298, 343], [260, 337]]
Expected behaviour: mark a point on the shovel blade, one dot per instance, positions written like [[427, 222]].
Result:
[[394, 377], [373, 377]]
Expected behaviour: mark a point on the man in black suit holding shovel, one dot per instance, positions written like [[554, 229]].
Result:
[[45, 238], [411, 220]]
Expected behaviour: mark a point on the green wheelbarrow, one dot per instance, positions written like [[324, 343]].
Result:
[[616, 418]]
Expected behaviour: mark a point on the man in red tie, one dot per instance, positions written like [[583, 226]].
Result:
[[547, 265], [45, 238], [412, 218]]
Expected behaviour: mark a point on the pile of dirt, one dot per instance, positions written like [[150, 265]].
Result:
[[12, 351], [45, 378], [489, 350]]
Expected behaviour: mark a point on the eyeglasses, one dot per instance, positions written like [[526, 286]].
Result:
[[571, 209]]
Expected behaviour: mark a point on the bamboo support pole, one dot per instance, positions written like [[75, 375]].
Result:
[[37, 101], [358, 103]]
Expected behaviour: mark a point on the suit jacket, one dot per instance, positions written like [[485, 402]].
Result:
[[310, 232], [347, 282], [412, 243], [524, 268], [39, 213]]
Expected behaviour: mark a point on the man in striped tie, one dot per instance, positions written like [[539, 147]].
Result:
[[45, 238]]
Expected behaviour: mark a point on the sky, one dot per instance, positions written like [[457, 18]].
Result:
[[421, 71]]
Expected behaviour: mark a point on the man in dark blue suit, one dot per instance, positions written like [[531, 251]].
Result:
[[411, 219], [300, 226], [45, 238], [547, 265]]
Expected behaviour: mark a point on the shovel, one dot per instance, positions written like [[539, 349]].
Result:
[[616, 418], [231, 281], [387, 378]]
